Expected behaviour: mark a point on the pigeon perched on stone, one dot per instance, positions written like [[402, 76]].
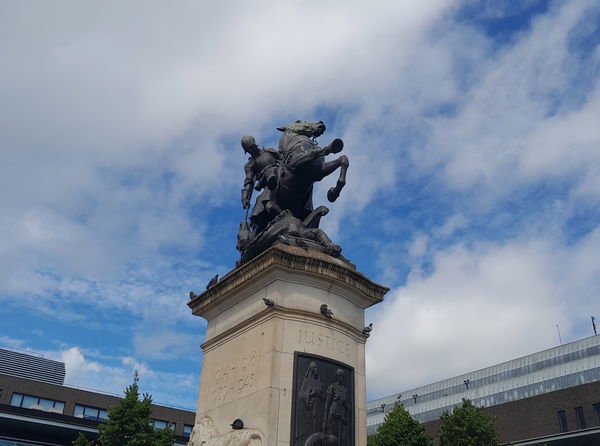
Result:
[[268, 302], [212, 282], [193, 295], [326, 311], [237, 424], [367, 330]]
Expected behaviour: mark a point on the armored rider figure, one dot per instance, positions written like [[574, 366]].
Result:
[[261, 174]]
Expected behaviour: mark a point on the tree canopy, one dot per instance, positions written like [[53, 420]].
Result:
[[129, 423], [467, 425], [400, 429]]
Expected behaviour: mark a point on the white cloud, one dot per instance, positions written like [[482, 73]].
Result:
[[455, 222], [78, 368], [8, 341], [521, 120], [418, 248], [130, 116], [166, 345], [120, 145], [165, 387], [479, 306]]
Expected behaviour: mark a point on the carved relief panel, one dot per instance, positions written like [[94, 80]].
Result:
[[323, 402]]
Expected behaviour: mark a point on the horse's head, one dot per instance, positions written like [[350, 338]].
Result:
[[300, 128], [310, 129]]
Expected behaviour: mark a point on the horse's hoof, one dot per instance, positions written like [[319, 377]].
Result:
[[322, 211], [333, 194], [337, 145]]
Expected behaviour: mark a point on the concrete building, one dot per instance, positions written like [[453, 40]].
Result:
[[551, 397], [36, 408]]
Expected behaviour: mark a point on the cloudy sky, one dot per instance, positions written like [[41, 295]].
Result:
[[472, 129]]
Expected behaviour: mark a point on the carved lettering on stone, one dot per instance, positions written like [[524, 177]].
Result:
[[232, 379], [324, 341]]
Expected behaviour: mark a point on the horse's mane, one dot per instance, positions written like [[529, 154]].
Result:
[[292, 132]]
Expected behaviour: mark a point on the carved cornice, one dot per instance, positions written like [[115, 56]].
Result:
[[296, 260], [288, 314]]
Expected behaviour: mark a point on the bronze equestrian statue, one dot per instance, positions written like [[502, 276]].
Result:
[[283, 212]]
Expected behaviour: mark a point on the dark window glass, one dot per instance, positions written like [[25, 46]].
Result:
[[90, 413], [187, 429], [562, 420], [597, 413], [34, 402], [580, 417]]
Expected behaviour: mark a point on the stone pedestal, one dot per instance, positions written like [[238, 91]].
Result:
[[251, 348]]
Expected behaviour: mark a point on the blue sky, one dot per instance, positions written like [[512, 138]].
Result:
[[473, 190]]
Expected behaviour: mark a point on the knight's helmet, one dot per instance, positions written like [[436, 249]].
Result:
[[247, 142]]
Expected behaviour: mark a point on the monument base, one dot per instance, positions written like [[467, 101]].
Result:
[[267, 332]]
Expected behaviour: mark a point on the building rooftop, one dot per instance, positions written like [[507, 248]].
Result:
[[31, 366]]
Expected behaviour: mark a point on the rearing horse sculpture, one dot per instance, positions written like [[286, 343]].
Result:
[[303, 163], [285, 206]]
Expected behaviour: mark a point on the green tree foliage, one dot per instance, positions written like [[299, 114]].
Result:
[[400, 429], [82, 441], [129, 422], [467, 425]]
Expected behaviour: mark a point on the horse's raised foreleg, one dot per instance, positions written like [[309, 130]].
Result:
[[328, 168], [302, 158]]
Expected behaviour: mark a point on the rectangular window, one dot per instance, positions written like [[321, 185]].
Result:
[[16, 399], [34, 402], [597, 413], [30, 402], [187, 429], [90, 413], [580, 417], [160, 425], [562, 420]]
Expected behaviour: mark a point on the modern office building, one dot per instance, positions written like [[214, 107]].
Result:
[[36, 408], [548, 398]]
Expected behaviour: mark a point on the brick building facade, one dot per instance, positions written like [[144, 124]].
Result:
[[41, 410]]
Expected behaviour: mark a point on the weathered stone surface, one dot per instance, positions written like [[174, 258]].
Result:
[[248, 364], [205, 434]]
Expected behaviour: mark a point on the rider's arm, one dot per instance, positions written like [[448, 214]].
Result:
[[248, 185]]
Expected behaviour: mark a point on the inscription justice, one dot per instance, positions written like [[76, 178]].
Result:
[[325, 341]]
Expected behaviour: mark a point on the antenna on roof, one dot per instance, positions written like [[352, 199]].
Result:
[[559, 337]]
